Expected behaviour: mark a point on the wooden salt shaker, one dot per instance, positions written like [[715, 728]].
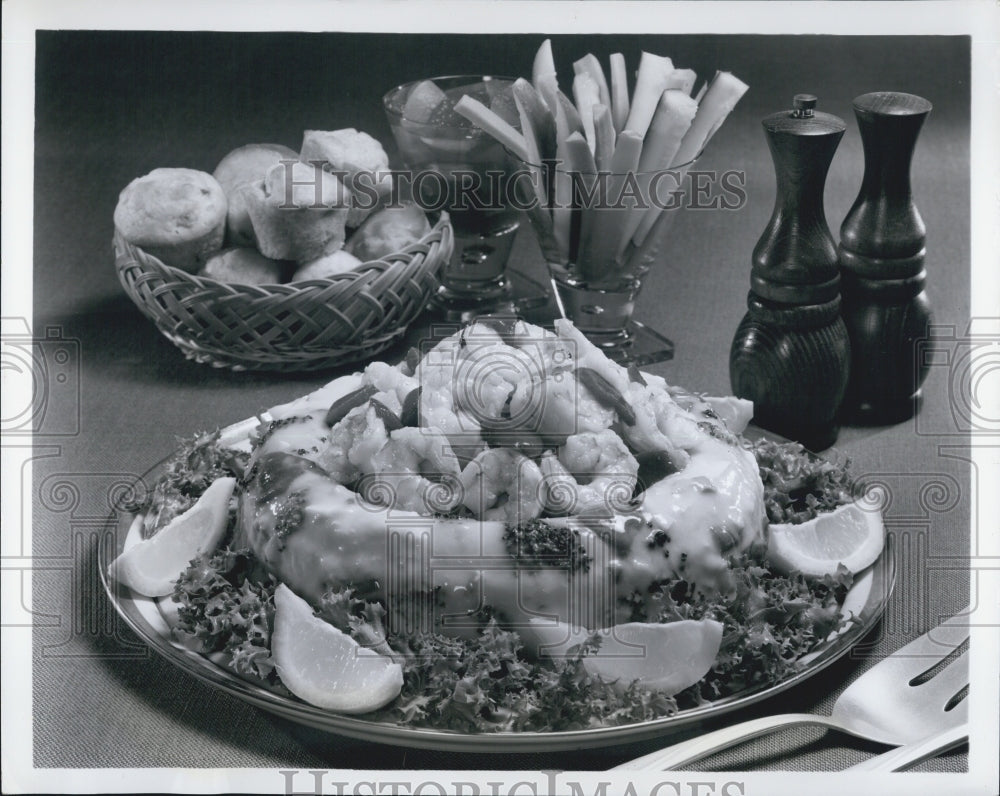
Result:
[[790, 355], [882, 265]]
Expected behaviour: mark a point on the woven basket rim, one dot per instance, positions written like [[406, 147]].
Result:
[[290, 288], [286, 327]]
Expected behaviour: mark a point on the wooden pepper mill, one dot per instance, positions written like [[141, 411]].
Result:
[[790, 355], [882, 265]]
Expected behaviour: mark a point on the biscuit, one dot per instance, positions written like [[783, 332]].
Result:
[[241, 166], [388, 231], [339, 262], [176, 215], [356, 158], [298, 212], [244, 266]]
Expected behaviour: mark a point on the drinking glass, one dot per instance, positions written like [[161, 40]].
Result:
[[453, 165], [601, 233]]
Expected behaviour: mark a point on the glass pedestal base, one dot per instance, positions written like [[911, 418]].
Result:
[[520, 293]]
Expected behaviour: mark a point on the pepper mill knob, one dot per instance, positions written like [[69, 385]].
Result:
[[790, 354], [795, 260], [882, 249]]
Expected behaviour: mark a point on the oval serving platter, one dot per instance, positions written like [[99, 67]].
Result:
[[865, 602]]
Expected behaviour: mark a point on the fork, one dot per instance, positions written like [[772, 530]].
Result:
[[903, 699], [908, 755]]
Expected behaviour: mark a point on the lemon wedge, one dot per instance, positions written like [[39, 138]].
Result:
[[852, 535], [666, 657], [661, 657], [325, 667], [150, 567], [735, 412]]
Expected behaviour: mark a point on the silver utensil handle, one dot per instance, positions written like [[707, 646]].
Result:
[[696, 748], [904, 757]]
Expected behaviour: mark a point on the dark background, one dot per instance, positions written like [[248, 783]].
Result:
[[111, 106]]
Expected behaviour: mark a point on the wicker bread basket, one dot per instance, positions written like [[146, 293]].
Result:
[[308, 325]]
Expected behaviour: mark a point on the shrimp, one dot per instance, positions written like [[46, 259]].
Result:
[[644, 434], [353, 443], [550, 352], [437, 373], [392, 384], [502, 484], [415, 470], [557, 407], [592, 471], [698, 518]]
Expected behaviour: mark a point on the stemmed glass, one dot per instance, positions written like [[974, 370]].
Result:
[[453, 165]]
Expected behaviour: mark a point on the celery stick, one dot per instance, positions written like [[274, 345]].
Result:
[[544, 66], [720, 98], [542, 119], [572, 114], [682, 79], [550, 95], [562, 210], [652, 245], [654, 71], [591, 66], [587, 95], [604, 129], [597, 261], [673, 117], [480, 115], [534, 160], [619, 91], [581, 167]]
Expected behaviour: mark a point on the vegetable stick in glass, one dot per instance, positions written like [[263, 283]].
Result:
[[544, 66], [542, 120], [591, 66], [480, 115], [561, 107], [672, 119], [723, 93], [562, 209], [650, 218], [550, 95], [653, 246], [683, 79], [619, 91], [604, 129], [587, 95], [654, 71], [533, 162], [581, 167], [597, 260], [572, 114]]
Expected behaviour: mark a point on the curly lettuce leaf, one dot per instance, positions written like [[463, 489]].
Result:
[[226, 604], [198, 462]]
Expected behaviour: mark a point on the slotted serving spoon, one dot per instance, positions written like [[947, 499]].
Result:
[[914, 693]]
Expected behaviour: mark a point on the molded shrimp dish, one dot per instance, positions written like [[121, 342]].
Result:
[[513, 478]]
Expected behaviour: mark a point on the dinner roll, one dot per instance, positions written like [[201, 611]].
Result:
[[298, 212], [388, 231], [176, 215], [241, 166], [329, 265], [359, 160], [245, 266]]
